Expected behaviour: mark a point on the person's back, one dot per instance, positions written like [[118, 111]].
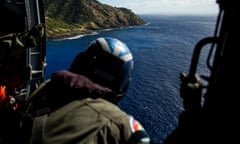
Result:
[[80, 105]]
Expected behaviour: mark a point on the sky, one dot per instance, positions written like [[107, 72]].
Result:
[[200, 7]]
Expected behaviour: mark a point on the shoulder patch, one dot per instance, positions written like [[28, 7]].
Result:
[[135, 125], [139, 134]]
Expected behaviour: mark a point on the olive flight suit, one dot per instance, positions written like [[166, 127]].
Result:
[[80, 114]]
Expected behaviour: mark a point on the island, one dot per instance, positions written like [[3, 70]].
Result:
[[68, 18]]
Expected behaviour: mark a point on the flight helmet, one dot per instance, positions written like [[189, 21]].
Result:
[[108, 62]]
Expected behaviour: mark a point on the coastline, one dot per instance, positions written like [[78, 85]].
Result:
[[67, 35], [78, 34]]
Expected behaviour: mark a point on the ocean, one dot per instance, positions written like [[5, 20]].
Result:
[[162, 49]]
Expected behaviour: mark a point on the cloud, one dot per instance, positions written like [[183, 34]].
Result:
[[167, 6], [174, 6]]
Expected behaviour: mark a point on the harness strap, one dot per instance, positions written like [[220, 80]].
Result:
[[11, 44], [23, 39], [38, 129]]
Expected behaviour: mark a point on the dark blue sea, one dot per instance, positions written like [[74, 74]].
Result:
[[162, 49]]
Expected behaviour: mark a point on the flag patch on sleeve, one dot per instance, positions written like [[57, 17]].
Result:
[[135, 125], [139, 134]]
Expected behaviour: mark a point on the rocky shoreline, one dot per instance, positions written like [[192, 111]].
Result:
[[67, 35], [71, 34]]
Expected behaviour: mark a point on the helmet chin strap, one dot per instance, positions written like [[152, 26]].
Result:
[[120, 95]]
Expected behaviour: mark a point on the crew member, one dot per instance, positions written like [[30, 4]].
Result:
[[80, 105]]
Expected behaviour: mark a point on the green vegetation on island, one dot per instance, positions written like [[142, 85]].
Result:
[[65, 18]]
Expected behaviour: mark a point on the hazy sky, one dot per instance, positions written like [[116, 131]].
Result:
[[166, 6]]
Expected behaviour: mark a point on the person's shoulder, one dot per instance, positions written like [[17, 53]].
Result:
[[104, 106], [120, 120], [132, 128], [107, 109]]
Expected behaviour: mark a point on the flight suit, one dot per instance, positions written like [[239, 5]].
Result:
[[90, 120]]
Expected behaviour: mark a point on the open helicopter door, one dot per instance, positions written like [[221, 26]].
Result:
[[36, 60], [213, 116], [22, 49]]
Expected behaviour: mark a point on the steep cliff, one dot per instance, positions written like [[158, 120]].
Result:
[[72, 17]]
